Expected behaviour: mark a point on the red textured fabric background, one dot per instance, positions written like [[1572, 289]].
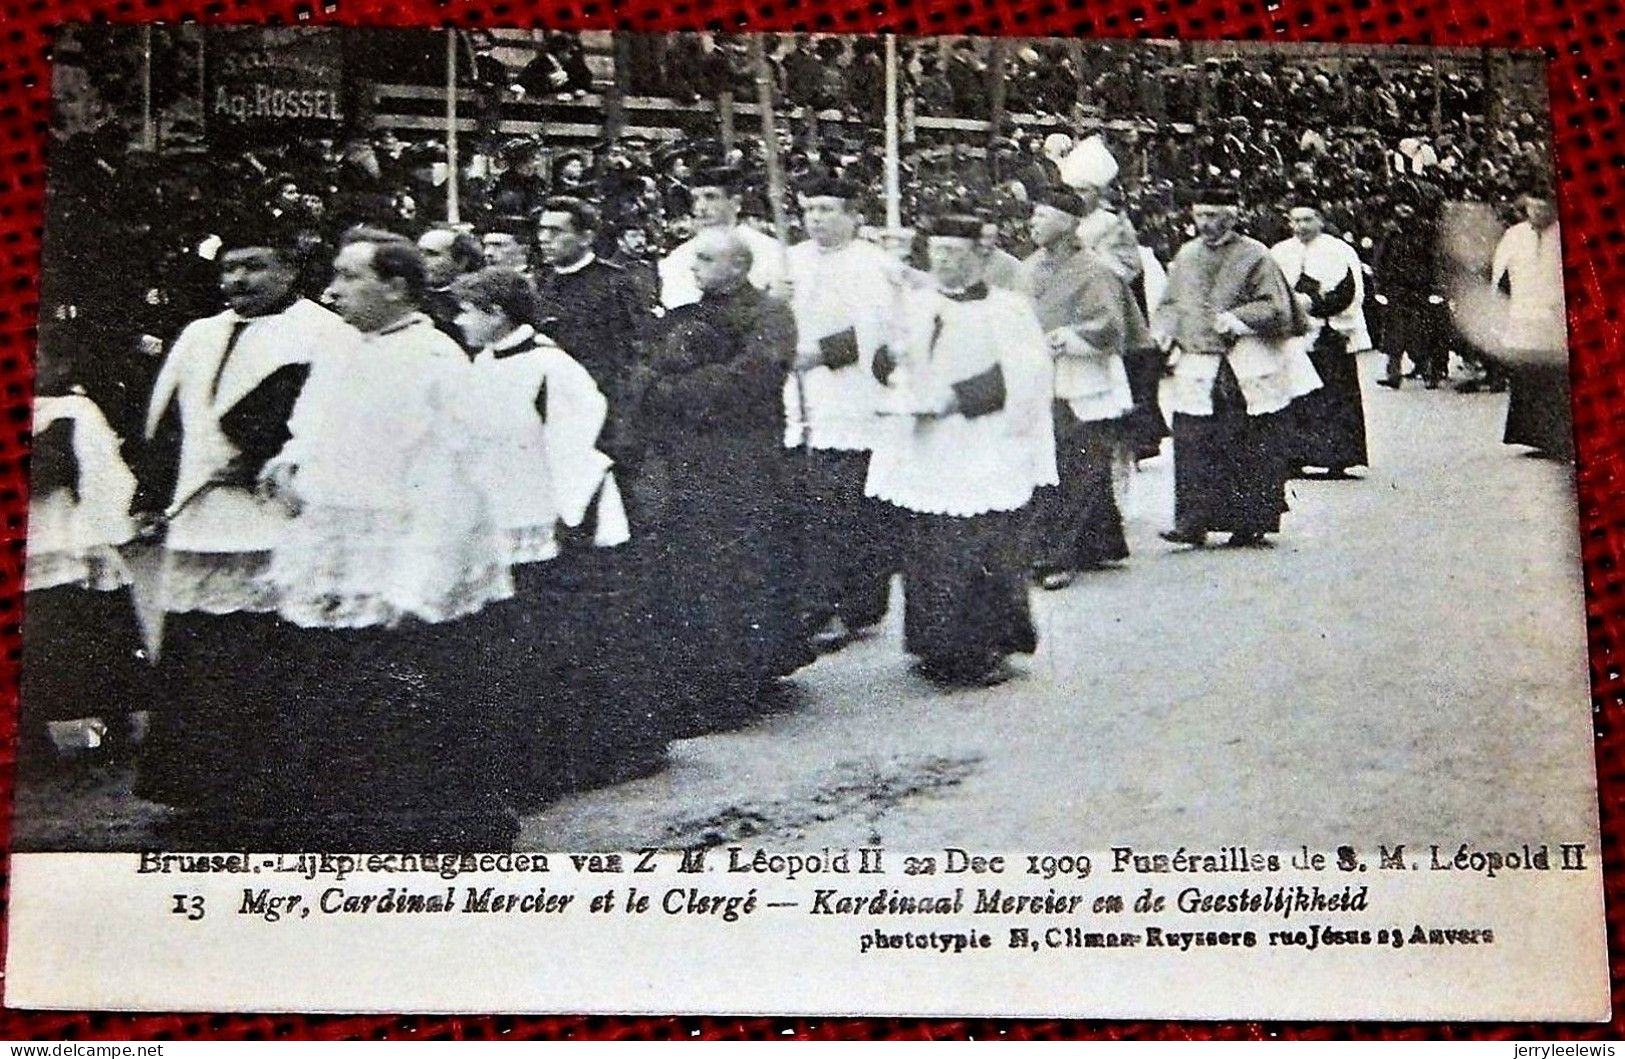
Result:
[[1583, 42]]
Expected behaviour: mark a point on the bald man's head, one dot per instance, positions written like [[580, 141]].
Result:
[[722, 260]]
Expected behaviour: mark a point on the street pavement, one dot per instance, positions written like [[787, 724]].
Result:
[[1407, 664]]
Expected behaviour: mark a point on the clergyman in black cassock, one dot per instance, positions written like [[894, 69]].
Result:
[[727, 555]]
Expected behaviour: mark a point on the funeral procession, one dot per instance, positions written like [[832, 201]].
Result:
[[493, 440]]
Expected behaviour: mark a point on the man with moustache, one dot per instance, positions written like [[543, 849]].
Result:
[[219, 410]]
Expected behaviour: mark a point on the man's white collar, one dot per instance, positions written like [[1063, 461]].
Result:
[[517, 337], [409, 320], [587, 259]]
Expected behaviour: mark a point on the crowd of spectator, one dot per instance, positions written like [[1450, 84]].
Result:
[[1364, 137]]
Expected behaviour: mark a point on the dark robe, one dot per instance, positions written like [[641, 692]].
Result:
[[849, 545], [568, 679], [965, 592], [599, 315], [1147, 425], [223, 748], [81, 657], [1328, 425], [384, 745], [1076, 524], [1538, 413], [725, 546], [1538, 397], [379, 737], [595, 713], [1404, 267], [1228, 472], [847, 538]]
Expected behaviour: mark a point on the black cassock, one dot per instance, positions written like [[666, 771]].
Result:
[[718, 487], [79, 643], [600, 316], [848, 539], [1327, 426], [220, 745]]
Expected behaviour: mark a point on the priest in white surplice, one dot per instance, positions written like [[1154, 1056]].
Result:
[[393, 559], [969, 438], [560, 682], [1528, 267], [1327, 426], [843, 299], [81, 648], [219, 410]]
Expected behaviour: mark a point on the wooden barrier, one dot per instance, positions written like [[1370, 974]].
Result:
[[420, 109]]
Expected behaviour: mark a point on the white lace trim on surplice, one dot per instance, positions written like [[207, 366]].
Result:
[[216, 583], [352, 568], [98, 569]]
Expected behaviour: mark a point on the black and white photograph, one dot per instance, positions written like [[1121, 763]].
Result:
[[508, 440], [1078, 473]]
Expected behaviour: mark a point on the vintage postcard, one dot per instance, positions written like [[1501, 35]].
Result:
[[546, 521]]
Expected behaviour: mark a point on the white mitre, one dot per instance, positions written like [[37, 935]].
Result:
[[1089, 163]]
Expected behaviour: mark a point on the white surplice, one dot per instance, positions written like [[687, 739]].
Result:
[[221, 535], [539, 417], [1531, 262], [833, 291], [393, 522], [959, 465], [1328, 260], [74, 540]]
